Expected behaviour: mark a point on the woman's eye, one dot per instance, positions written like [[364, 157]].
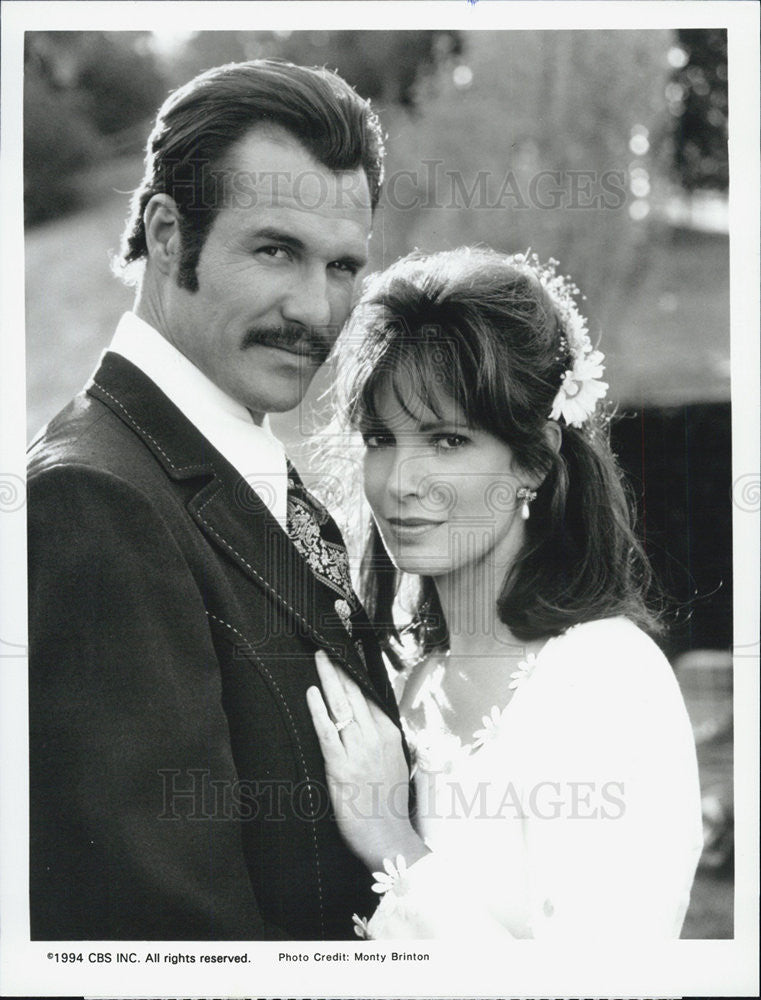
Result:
[[378, 440], [449, 442]]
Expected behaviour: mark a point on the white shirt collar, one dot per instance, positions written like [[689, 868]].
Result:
[[251, 449]]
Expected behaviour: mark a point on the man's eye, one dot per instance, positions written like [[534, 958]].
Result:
[[378, 440], [449, 442], [349, 267], [278, 253]]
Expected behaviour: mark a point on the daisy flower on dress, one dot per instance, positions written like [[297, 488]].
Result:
[[491, 722], [524, 670], [439, 752], [360, 927], [392, 878]]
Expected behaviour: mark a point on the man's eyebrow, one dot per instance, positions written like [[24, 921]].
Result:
[[278, 236]]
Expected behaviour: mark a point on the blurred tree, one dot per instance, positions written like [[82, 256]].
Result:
[[121, 81], [526, 142], [698, 100], [203, 49], [89, 94], [82, 90], [381, 65], [58, 138]]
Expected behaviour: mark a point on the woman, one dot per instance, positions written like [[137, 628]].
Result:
[[554, 767]]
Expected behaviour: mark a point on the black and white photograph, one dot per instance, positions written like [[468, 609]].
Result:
[[380, 497]]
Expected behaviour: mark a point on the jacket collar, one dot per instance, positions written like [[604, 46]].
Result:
[[237, 522]]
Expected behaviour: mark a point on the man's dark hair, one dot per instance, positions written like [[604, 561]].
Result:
[[199, 123]]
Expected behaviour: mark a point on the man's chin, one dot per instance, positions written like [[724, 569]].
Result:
[[274, 401], [282, 406]]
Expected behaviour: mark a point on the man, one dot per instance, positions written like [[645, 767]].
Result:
[[181, 577]]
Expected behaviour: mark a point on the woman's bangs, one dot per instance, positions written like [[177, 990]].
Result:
[[419, 373]]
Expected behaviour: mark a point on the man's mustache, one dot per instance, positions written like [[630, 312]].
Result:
[[291, 337]]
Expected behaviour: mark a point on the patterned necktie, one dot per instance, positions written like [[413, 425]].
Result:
[[318, 540]]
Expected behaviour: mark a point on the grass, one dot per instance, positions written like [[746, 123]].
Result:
[[73, 301]]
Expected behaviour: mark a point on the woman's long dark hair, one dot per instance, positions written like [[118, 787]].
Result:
[[480, 328]]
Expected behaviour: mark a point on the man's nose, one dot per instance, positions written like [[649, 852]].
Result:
[[307, 301]]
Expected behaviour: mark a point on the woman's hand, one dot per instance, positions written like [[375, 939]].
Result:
[[368, 778]]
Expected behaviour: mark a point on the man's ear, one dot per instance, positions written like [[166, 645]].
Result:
[[161, 219]]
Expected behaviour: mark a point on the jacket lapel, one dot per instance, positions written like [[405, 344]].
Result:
[[244, 529], [237, 522]]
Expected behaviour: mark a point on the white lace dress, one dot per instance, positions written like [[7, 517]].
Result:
[[574, 813]]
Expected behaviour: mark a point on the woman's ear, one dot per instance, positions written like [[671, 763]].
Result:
[[553, 435], [162, 232]]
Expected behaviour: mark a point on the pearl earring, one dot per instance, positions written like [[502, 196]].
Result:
[[527, 495]]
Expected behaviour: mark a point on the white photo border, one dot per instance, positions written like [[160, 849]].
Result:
[[707, 968]]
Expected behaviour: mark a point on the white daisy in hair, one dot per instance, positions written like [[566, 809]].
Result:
[[580, 390]]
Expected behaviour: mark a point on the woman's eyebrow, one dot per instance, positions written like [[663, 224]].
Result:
[[372, 424], [437, 425]]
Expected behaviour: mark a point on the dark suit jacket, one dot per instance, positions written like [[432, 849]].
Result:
[[177, 786]]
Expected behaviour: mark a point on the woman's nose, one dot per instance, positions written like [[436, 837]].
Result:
[[406, 474], [413, 476], [416, 476]]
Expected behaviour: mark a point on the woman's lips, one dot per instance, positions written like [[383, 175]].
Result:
[[406, 528]]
